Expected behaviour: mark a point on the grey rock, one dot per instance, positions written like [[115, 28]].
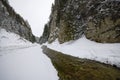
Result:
[[98, 20]]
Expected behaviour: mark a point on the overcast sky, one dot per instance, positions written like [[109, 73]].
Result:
[[35, 11]]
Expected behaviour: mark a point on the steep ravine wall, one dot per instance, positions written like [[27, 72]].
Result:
[[13, 22], [98, 20]]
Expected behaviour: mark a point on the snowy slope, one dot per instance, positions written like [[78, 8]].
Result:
[[22, 60], [8, 39], [84, 48]]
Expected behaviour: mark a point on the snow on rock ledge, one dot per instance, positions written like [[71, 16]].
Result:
[[107, 53]]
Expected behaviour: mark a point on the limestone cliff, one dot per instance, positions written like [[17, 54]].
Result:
[[98, 20], [13, 22]]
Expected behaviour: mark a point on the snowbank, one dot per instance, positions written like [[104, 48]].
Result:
[[84, 48], [8, 39]]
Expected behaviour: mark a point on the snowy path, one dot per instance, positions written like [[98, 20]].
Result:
[[22, 60], [28, 63]]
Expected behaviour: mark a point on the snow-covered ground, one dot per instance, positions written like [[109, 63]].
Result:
[[84, 48], [22, 60]]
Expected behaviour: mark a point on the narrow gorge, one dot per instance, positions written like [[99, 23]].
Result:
[[98, 20]]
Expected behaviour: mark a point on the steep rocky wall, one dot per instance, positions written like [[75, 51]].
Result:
[[98, 20], [13, 22], [104, 26]]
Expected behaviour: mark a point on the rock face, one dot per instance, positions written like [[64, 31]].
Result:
[[13, 22], [98, 20], [45, 35]]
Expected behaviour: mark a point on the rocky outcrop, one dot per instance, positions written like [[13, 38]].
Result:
[[98, 20], [13, 22], [104, 26]]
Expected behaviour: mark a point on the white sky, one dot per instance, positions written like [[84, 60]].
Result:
[[36, 12]]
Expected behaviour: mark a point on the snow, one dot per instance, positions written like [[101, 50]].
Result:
[[83, 48], [8, 39], [22, 60]]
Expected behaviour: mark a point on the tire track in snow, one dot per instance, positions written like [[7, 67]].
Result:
[[12, 48]]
